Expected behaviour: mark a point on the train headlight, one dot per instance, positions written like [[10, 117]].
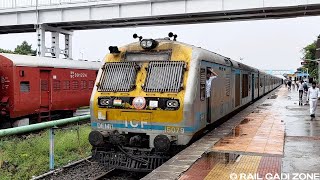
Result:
[[172, 104], [148, 43], [139, 102], [104, 101]]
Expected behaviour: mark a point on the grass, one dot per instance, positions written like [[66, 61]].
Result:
[[24, 157]]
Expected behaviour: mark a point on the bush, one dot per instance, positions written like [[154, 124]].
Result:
[[22, 158]]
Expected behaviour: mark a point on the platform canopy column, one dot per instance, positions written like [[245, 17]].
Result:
[[54, 50]]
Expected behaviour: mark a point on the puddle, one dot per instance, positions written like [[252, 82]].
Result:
[[245, 121], [273, 96], [219, 165]]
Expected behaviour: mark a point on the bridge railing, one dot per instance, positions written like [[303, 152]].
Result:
[[11, 4], [220, 4]]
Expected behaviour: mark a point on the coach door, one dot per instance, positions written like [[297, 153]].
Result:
[[252, 87], [45, 88], [237, 88]]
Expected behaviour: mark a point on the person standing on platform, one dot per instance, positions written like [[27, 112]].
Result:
[[313, 95], [211, 75], [285, 82], [293, 84], [289, 85], [305, 87], [300, 89]]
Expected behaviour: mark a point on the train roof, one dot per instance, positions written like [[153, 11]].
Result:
[[205, 54], [222, 60], [35, 61]]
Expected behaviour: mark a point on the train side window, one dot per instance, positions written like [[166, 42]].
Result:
[[24, 86], [91, 84], [83, 84], [202, 84], [56, 85], [66, 85], [75, 85], [245, 90], [44, 85]]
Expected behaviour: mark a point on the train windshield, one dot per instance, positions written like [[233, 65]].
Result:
[[118, 77], [164, 76]]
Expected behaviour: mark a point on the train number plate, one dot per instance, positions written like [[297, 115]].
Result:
[[105, 126], [172, 129]]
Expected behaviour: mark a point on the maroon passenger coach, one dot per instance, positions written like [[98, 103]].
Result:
[[39, 88]]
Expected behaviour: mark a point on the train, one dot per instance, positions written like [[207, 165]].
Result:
[[35, 89], [150, 99]]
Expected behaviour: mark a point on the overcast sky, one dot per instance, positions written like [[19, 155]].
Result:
[[265, 44]]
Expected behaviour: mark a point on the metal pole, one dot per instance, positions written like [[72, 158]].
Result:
[[318, 72], [39, 126], [51, 155], [317, 56]]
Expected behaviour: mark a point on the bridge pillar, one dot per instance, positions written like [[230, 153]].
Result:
[[54, 50], [68, 46], [41, 35]]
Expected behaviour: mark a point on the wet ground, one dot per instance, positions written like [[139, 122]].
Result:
[[302, 140], [273, 136]]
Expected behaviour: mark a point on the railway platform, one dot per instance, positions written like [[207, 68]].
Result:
[[274, 138]]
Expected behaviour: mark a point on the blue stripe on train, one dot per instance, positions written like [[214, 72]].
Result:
[[146, 127]]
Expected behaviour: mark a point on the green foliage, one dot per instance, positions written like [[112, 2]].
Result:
[[24, 49], [5, 51], [309, 52], [23, 158]]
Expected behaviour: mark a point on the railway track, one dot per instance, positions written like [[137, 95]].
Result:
[[83, 169], [86, 169]]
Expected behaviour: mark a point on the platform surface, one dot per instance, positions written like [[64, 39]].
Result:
[[273, 136], [278, 137]]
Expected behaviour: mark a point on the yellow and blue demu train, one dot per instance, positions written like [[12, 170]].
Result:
[[150, 97]]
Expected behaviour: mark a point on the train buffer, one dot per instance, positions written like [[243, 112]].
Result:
[[271, 139]]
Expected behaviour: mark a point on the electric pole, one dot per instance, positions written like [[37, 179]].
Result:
[[317, 56]]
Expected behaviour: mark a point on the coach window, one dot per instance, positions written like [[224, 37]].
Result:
[[75, 85], [56, 85], [83, 84], [66, 85], [245, 90], [24, 86], [91, 84]]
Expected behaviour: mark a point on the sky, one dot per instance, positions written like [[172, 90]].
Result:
[[264, 44]]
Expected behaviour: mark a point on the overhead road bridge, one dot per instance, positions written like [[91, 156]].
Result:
[[65, 16]]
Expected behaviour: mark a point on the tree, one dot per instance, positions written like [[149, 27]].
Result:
[[309, 52], [5, 51], [25, 49]]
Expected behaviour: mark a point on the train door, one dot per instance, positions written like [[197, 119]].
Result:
[[252, 87], [264, 84], [45, 88], [207, 106], [259, 84], [237, 88], [203, 99]]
